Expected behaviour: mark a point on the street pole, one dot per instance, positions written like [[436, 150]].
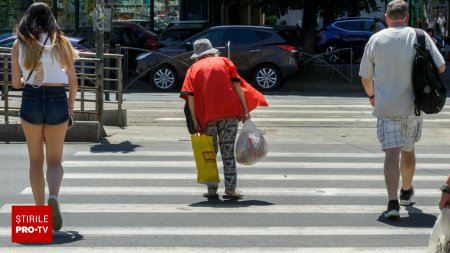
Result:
[[152, 15], [99, 25]]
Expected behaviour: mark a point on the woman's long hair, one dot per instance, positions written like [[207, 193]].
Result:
[[39, 19]]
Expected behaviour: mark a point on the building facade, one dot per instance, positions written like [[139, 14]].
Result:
[[72, 14]]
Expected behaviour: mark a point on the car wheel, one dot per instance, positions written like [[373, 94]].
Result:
[[267, 77], [163, 78], [331, 56]]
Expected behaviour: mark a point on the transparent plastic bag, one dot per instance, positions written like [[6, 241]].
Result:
[[250, 145], [440, 236]]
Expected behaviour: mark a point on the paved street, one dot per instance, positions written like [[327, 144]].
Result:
[[320, 189]]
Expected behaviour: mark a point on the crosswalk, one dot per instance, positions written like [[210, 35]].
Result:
[[301, 199]]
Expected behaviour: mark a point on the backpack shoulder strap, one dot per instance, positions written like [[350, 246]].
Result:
[[420, 37]]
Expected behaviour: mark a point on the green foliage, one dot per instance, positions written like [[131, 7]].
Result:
[[271, 20], [337, 7], [328, 9]]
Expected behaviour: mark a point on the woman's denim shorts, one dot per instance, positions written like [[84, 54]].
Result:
[[44, 105]]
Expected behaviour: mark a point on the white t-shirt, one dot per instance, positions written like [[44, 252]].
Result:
[[388, 60]]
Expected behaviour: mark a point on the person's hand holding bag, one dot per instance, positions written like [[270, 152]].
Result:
[[245, 116], [250, 145]]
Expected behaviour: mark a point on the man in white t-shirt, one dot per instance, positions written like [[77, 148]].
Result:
[[442, 21], [386, 73]]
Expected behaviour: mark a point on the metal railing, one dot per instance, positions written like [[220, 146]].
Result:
[[89, 100], [332, 62], [129, 68]]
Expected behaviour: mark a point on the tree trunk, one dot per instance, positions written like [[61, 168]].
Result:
[[309, 26], [328, 15]]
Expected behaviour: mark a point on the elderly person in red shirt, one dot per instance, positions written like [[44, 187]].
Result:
[[218, 99]]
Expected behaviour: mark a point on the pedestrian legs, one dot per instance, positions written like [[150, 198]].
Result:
[[54, 143], [392, 171], [35, 143], [211, 130], [227, 138], [407, 168], [224, 133]]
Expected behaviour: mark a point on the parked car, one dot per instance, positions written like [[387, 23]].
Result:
[[345, 33], [5, 35], [178, 31], [129, 35], [158, 24], [77, 43], [261, 54], [125, 34]]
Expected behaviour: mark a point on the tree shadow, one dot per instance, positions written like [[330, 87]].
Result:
[[60, 237], [218, 203], [123, 147], [416, 218]]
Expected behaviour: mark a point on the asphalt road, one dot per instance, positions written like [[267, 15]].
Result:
[[320, 189]]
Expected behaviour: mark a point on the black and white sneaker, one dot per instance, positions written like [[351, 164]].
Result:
[[393, 210], [406, 196]]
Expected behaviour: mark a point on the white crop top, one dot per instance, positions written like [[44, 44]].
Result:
[[49, 72]]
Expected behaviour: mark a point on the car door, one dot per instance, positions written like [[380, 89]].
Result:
[[180, 56], [352, 33], [245, 48], [215, 36]]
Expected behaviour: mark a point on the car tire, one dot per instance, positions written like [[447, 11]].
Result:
[[267, 77], [163, 78]]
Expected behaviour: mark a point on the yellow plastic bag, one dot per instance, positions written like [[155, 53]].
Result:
[[205, 159]]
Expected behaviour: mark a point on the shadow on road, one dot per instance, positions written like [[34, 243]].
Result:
[[416, 218], [218, 203], [123, 147], [60, 237]]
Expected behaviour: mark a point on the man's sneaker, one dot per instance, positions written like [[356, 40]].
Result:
[[393, 210], [56, 212], [406, 196]]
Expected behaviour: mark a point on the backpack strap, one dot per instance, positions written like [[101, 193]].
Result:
[[420, 37]]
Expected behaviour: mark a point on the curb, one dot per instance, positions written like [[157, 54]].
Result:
[[85, 131]]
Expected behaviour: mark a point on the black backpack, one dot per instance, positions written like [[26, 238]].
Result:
[[429, 91]]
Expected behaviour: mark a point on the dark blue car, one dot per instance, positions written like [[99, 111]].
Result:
[[344, 33]]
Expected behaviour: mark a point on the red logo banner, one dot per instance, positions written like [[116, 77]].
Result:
[[31, 224]]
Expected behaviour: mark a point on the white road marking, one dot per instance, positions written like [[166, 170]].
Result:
[[274, 165], [252, 177], [28, 249], [232, 209], [269, 154]]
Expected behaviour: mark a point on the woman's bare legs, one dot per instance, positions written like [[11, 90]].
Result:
[[54, 143], [35, 143]]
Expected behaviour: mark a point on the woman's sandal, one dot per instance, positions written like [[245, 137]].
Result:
[[211, 195], [233, 194]]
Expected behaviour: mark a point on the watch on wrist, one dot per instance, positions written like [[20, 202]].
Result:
[[445, 189]]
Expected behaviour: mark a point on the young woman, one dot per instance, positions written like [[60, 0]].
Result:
[[45, 58]]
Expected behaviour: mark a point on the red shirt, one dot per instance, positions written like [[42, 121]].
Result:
[[210, 82]]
